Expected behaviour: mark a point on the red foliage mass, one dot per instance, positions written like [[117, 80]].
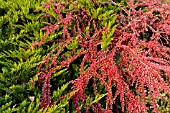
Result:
[[141, 47]]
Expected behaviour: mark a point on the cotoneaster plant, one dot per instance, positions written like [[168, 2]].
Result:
[[119, 53]]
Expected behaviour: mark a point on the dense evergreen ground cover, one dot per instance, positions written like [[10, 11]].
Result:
[[84, 56]]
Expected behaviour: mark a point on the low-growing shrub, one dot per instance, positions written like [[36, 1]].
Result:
[[19, 27], [125, 63]]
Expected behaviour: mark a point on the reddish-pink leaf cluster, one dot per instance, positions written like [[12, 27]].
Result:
[[135, 63]]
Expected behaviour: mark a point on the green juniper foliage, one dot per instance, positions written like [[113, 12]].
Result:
[[19, 27], [27, 106]]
